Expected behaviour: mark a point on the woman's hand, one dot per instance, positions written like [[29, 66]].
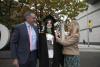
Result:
[[57, 34]]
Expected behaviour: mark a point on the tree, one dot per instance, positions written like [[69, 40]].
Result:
[[11, 12], [5, 11], [14, 10], [70, 8]]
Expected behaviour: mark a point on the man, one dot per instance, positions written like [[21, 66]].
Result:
[[24, 42]]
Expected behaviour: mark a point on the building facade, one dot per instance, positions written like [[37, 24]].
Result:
[[92, 15]]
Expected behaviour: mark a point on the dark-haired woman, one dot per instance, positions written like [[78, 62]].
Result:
[[50, 55]]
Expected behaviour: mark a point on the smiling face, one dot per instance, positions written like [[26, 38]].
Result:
[[31, 19], [73, 27], [49, 24]]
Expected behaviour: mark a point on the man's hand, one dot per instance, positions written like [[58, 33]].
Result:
[[15, 62]]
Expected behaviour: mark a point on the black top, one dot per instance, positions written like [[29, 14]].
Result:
[[43, 52]]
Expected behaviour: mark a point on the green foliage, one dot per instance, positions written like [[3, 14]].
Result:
[[13, 11], [5, 12], [70, 8]]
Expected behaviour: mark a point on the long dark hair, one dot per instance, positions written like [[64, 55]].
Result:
[[52, 29]]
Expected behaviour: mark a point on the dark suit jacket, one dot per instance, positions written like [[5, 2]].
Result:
[[20, 45], [43, 53]]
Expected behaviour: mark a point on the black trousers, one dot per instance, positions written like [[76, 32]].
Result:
[[53, 63], [32, 60], [57, 63], [50, 62]]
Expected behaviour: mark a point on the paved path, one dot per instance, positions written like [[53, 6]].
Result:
[[89, 55]]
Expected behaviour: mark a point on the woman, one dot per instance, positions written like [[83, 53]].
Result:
[[49, 54], [70, 44]]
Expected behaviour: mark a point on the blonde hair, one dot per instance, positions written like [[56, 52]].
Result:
[[74, 27]]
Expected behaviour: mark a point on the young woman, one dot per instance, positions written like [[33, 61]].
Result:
[[50, 54], [70, 44]]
